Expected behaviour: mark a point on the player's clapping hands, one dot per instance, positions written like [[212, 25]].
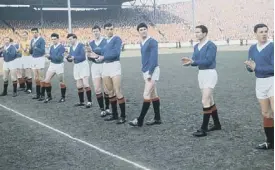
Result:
[[250, 65], [186, 61]]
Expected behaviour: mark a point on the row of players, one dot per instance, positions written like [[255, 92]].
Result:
[[106, 70]]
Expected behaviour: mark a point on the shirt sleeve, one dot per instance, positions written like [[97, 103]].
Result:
[[153, 61]]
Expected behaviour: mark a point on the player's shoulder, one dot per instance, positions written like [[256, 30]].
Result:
[[153, 40], [91, 42], [253, 46], [271, 45], [116, 37], [211, 44], [80, 44]]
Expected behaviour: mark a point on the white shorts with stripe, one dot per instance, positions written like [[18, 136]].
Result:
[[11, 65], [207, 78], [265, 87], [155, 75], [81, 70], [97, 70], [38, 63], [111, 69], [56, 68]]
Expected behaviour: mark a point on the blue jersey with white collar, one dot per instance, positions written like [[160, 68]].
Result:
[[112, 50], [149, 55], [205, 58], [264, 60], [78, 53], [57, 54], [98, 49]]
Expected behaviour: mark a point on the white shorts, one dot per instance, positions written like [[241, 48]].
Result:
[[19, 63], [155, 75], [38, 63], [97, 70], [264, 87], [207, 78], [81, 70], [26, 62], [11, 65], [111, 69], [56, 68]]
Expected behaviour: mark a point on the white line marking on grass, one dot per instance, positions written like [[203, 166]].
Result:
[[78, 140]]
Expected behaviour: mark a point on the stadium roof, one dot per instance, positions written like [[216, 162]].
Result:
[[63, 3]]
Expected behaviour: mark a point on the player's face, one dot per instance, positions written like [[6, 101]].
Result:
[[25, 35], [143, 32], [96, 33], [262, 34], [109, 31], [55, 40], [71, 40], [35, 34], [6, 41], [199, 34]]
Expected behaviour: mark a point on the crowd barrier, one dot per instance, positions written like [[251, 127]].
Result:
[[188, 44]]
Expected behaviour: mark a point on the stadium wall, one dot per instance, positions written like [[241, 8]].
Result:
[[188, 44]]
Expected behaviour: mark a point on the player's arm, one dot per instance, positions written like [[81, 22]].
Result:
[[249, 59], [153, 60], [115, 51], [69, 57], [11, 51], [209, 58], [60, 56]]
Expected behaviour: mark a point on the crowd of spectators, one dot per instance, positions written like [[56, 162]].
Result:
[[171, 23]]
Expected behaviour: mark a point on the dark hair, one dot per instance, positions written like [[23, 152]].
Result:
[[142, 25], [10, 40], [96, 27], [55, 35], [256, 27], [72, 35], [203, 29], [108, 25], [34, 29]]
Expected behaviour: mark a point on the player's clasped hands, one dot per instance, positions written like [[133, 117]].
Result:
[[186, 61], [250, 64]]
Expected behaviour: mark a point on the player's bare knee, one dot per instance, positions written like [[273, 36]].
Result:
[[98, 90], [266, 114], [205, 103]]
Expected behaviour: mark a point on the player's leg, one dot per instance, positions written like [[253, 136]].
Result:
[[156, 105], [28, 74], [214, 114], [41, 77], [13, 74], [267, 123], [21, 79], [99, 95], [265, 96], [47, 85], [27, 65], [6, 81], [108, 83], [148, 89], [37, 83], [106, 99], [80, 87], [62, 87], [88, 91], [207, 111], [120, 98]]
